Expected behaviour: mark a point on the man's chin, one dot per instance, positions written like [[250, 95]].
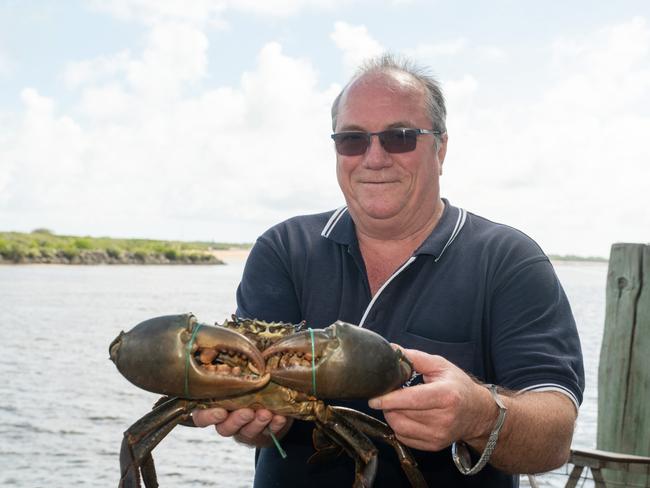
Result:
[[375, 211]]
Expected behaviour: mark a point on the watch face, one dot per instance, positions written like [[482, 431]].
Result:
[[462, 456], [465, 456]]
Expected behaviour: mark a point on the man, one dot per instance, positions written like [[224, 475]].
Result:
[[463, 296]]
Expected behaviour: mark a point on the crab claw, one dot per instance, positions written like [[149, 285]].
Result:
[[347, 362], [175, 355]]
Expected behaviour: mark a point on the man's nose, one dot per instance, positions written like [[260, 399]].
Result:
[[376, 156]]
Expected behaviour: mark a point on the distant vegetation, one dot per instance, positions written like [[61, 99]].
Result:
[[43, 246]]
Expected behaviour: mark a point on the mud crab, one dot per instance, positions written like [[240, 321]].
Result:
[[256, 364]]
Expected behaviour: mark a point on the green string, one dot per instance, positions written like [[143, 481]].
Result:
[[277, 444], [313, 384], [187, 359], [313, 363]]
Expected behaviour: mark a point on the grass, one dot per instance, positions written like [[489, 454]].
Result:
[[42, 245]]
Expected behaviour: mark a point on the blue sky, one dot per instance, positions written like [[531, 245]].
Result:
[[170, 119]]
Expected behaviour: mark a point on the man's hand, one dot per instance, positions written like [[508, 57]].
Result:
[[245, 425], [449, 406]]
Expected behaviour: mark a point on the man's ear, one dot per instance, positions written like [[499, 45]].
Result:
[[442, 150]]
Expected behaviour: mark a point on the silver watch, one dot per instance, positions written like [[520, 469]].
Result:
[[460, 450]]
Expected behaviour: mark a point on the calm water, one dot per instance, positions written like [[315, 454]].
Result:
[[64, 406]]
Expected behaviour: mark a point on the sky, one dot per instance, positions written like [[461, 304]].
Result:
[[210, 119]]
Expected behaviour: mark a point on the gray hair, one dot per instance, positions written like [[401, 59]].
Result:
[[434, 100]]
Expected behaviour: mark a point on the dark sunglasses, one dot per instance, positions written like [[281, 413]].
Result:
[[355, 143]]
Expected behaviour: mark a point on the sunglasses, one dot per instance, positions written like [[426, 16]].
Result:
[[394, 141]]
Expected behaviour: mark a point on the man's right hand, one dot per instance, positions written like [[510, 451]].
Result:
[[245, 425]]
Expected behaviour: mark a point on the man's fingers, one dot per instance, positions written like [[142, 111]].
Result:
[[255, 427], [209, 416], [277, 423], [418, 397], [427, 364], [235, 421]]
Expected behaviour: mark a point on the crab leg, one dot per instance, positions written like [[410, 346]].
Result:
[[143, 436], [379, 430], [337, 428]]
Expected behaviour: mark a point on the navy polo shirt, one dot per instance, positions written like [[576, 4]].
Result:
[[481, 294]]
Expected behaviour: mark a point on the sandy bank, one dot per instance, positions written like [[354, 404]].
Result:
[[231, 255]]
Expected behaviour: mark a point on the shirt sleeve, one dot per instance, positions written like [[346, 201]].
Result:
[[267, 291], [535, 343]]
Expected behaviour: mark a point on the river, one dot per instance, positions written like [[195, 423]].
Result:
[[64, 406]]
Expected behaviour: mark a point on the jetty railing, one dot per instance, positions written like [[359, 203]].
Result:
[[596, 460]]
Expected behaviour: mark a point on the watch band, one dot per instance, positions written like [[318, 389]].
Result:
[[460, 450]]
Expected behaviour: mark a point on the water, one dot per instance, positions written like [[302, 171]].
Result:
[[64, 406]]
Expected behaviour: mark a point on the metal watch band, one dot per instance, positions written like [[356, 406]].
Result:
[[460, 450]]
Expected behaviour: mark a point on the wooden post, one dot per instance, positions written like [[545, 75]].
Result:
[[624, 369]]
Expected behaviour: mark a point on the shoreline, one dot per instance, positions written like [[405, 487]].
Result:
[[213, 257], [232, 254], [42, 246], [102, 258]]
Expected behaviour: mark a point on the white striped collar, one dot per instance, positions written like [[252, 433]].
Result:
[[334, 219], [340, 228]]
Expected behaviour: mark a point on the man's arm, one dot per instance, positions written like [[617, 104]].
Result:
[[450, 406]]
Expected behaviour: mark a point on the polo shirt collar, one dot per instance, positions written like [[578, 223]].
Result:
[[340, 229], [445, 232]]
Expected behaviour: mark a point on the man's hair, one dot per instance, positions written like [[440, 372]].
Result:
[[386, 63]]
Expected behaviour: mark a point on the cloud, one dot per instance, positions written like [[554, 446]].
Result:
[[138, 150], [175, 55], [91, 71], [574, 155], [151, 143], [356, 44]]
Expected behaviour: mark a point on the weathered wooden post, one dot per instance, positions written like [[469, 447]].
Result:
[[624, 369]]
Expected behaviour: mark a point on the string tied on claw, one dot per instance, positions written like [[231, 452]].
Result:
[[313, 388], [313, 363], [187, 360]]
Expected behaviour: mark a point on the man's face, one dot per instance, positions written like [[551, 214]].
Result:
[[379, 186]]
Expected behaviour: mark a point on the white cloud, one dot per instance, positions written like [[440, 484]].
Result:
[[175, 54], [137, 151], [93, 70], [41, 156], [356, 43], [149, 144], [607, 71], [574, 156], [455, 48]]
